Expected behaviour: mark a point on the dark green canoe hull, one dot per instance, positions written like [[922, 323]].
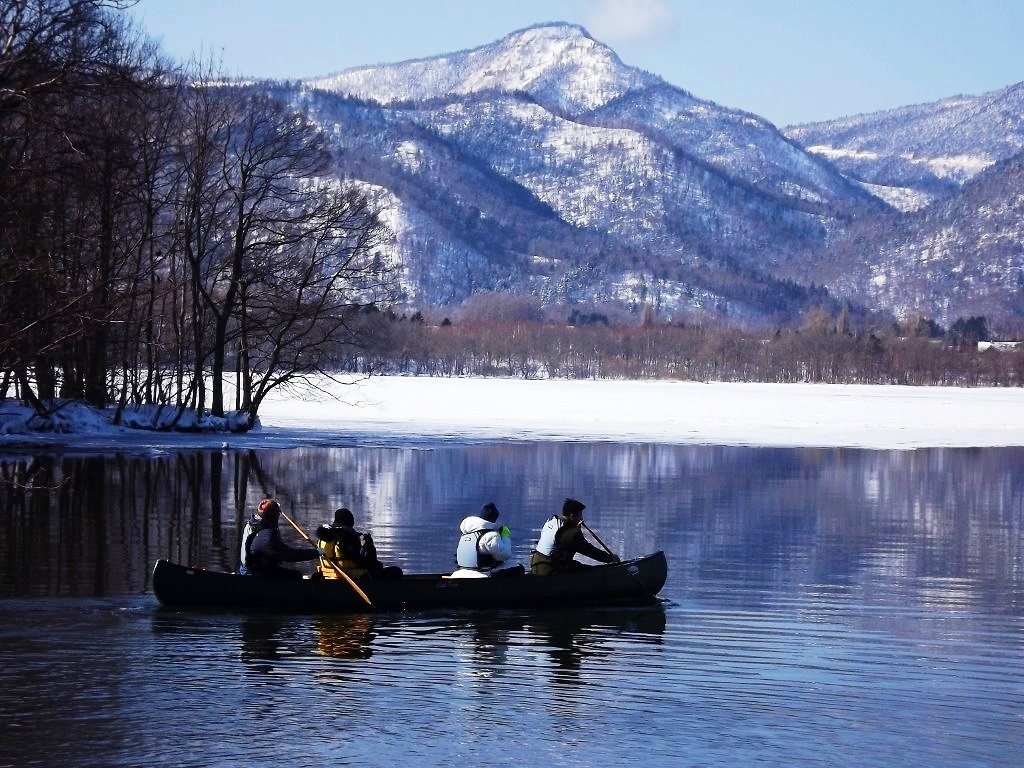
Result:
[[636, 581]]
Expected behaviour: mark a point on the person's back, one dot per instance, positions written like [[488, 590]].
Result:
[[265, 551], [252, 528], [354, 552], [485, 547], [561, 539], [249, 531], [340, 543]]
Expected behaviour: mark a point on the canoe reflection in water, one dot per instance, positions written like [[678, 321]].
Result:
[[265, 638], [483, 646]]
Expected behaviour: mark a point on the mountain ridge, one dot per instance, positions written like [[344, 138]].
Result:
[[542, 164], [936, 146]]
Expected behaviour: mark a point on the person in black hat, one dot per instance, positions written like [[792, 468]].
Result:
[[352, 551], [561, 539], [485, 548]]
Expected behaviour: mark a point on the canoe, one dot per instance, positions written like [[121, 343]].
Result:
[[636, 581]]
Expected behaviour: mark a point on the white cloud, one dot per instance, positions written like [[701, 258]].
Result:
[[619, 21]]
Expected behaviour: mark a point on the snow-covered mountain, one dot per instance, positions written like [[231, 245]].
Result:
[[543, 164], [916, 154], [560, 65], [955, 168], [961, 256]]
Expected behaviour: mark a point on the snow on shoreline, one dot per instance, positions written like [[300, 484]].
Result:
[[416, 409]]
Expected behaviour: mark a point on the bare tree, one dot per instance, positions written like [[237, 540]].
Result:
[[296, 316], [53, 54], [276, 247], [199, 227]]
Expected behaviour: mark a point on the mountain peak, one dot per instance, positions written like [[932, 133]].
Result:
[[557, 63], [555, 30]]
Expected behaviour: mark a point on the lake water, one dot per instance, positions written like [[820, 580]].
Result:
[[823, 608]]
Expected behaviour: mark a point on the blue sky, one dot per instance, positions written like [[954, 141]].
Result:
[[790, 61]]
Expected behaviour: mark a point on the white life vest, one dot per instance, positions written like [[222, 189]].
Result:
[[252, 527], [465, 552], [546, 542], [468, 554], [485, 546]]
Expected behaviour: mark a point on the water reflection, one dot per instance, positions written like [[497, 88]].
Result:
[[698, 682], [941, 526], [567, 638], [587, 637], [261, 643], [344, 637], [487, 642], [269, 639], [823, 603]]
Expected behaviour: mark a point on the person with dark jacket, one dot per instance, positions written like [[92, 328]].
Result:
[[352, 551], [561, 539], [263, 549]]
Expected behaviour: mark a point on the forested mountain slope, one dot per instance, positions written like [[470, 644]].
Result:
[[541, 164]]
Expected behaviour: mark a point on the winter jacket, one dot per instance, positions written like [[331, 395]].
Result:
[[483, 549]]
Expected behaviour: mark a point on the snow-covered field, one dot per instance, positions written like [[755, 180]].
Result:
[[399, 408], [666, 411]]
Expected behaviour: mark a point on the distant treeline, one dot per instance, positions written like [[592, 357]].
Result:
[[533, 349]]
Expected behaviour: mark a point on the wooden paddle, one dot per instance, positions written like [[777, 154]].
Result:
[[334, 565]]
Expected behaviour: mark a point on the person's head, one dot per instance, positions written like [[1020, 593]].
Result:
[[489, 512], [268, 511], [344, 517], [572, 510]]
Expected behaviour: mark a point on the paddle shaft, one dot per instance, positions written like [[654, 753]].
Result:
[[597, 538], [335, 566]]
